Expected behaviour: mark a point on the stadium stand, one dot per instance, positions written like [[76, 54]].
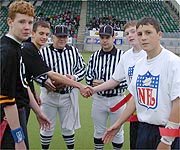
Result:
[[63, 12], [107, 12], [3, 25], [82, 15]]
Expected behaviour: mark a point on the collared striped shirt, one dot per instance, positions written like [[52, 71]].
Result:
[[101, 66], [65, 61]]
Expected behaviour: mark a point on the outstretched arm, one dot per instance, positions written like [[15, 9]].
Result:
[[110, 84], [98, 86], [59, 79], [112, 131]]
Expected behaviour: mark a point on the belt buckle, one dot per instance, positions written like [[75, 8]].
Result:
[[62, 91], [110, 95]]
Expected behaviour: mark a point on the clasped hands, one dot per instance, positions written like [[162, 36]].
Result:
[[90, 90], [85, 90]]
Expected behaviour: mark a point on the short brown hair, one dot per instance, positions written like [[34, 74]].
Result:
[[41, 23], [132, 23], [21, 7], [149, 21]]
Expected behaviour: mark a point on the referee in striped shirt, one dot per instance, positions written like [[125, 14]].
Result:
[[100, 68], [66, 60]]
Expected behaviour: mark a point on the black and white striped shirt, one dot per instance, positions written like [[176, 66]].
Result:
[[65, 61], [101, 66]]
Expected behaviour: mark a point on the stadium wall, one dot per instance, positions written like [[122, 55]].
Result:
[[92, 44]]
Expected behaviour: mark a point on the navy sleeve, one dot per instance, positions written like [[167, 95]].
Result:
[[34, 64], [9, 72]]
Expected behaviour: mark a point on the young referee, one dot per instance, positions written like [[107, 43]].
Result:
[[124, 69], [100, 68]]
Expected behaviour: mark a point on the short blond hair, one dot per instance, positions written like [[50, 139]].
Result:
[[132, 23], [21, 7]]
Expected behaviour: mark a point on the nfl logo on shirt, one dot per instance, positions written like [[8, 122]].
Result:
[[147, 87]]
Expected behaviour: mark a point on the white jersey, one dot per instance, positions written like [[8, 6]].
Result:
[[125, 67], [155, 84]]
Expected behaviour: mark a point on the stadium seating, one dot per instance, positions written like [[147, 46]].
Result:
[[53, 12], [3, 25], [120, 11], [128, 10], [62, 12]]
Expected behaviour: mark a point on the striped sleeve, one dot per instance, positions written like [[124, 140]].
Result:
[[65, 61], [5, 100], [90, 74], [80, 69], [41, 79], [101, 66]]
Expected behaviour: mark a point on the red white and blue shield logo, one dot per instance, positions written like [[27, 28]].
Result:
[[147, 90]]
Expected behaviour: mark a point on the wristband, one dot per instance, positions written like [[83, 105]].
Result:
[[167, 139], [18, 135]]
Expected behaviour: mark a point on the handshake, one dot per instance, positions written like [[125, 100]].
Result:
[[87, 91]]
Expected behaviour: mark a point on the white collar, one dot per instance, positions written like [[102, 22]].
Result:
[[12, 37]]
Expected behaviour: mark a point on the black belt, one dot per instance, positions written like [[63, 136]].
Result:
[[108, 95], [62, 91]]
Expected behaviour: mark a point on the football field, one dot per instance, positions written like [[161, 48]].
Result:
[[83, 136]]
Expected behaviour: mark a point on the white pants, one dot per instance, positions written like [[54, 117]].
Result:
[[53, 104], [101, 112]]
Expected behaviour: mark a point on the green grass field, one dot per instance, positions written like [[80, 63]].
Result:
[[83, 136]]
